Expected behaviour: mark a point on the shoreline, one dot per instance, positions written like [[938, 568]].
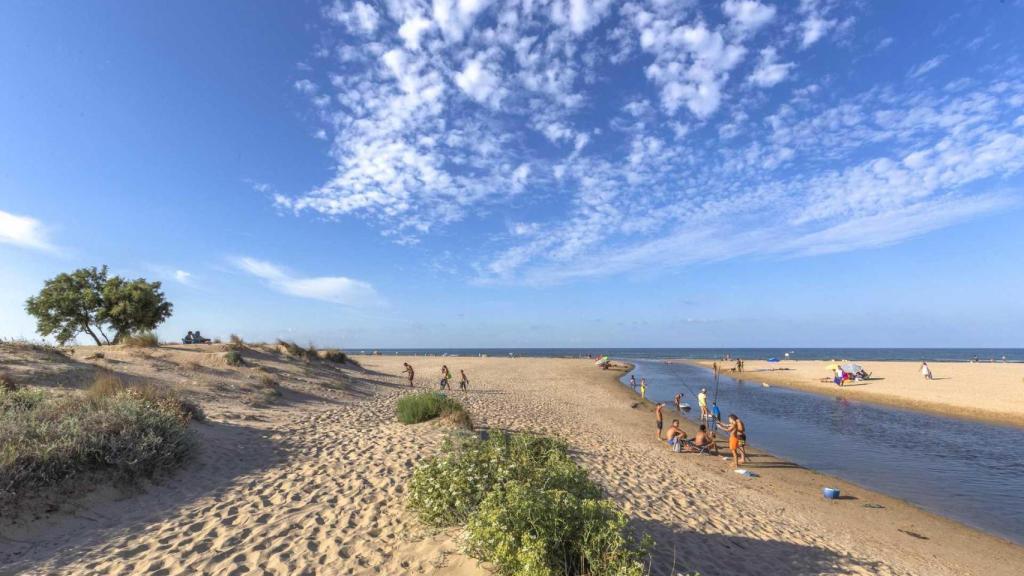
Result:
[[788, 378]]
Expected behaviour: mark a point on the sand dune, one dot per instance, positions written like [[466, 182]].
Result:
[[315, 485]]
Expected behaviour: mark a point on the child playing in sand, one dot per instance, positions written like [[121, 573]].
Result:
[[926, 371], [408, 370]]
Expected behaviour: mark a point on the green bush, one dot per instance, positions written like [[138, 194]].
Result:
[[234, 358], [333, 355], [530, 509], [128, 434], [141, 340], [415, 408]]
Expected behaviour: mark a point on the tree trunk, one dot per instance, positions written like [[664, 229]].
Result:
[[100, 328], [93, 334]]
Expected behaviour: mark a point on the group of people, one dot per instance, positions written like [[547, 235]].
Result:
[[446, 377], [642, 388], [706, 438], [194, 338]]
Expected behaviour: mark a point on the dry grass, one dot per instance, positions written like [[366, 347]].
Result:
[[234, 358], [141, 340], [236, 343], [7, 383]]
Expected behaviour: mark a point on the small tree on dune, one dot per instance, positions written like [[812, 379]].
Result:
[[87, 299]]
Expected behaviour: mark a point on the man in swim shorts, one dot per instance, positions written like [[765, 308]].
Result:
[[675, 434], [702, 401], [703, 440], [737, 440], [659, 417]]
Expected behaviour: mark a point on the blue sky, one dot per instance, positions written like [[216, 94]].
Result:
[[525, 173]]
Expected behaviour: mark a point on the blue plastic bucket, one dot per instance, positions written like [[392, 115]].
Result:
[[830, 493]]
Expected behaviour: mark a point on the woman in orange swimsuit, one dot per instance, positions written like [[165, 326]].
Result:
[[737, 440]]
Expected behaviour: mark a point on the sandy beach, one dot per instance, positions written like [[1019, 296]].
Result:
[[986, 391], [314, 484]]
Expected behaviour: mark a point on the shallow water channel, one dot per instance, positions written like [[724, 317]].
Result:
[[968, 471]]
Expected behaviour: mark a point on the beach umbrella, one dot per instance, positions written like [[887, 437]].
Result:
[[851, 368], [773, 359], [602, 360]]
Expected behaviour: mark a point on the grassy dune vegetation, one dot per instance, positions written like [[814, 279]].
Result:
[[127, 432], [528, 508], [424, 406]]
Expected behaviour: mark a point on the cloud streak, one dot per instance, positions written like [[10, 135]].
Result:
[[333, 289], [24, 232]]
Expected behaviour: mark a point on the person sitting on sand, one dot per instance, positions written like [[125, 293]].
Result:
[[703, 441], [197, 338], [463, 380], [926, 371], [446, 377], [737, 440], [659, 417], [408, 370], [675, 434], [188, 338]]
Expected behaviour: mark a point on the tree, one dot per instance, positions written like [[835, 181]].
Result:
[[86, 300]]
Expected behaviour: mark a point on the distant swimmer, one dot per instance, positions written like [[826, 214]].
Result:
[[702, 401], [463, 380], [659, 418], [926, 371], [737, 440], [409, 372]]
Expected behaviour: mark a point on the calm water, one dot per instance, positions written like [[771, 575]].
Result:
[[971, 472], [861, 354]]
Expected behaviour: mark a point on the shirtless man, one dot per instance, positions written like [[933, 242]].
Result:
[[679, 402], [702, 440], [737, 440], [463, 380], [408, 370], [675, 434], [659, 418]]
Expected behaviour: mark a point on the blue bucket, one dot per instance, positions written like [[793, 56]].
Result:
[[830, 493]]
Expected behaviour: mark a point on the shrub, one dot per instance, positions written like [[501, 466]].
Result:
[[236, 343], [333, 355], [141, 340], [414, 408], [292, 349], [46, 438], [268, 390], [529, 508], [7, 383], [234, 358]]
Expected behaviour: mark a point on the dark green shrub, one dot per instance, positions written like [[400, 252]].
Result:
[[7, 383], [234, 358], [415, 408], [529, 508], [333, 355], [46, 438]]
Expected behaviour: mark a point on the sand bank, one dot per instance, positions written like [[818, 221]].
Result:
[[990, 392], [316, 485]]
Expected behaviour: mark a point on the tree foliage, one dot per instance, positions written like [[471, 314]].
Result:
[[87, 300]]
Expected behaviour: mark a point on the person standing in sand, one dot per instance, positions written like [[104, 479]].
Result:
[[446, 377], [714, 420], [737, 440], [463, 380], [643, 388], [926, 371], [409, 372], [659, 418], [702, 401], [632, 381]]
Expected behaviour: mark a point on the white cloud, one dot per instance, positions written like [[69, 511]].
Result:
[[480, 83], [927, 66], [334, 289], [412, 31], [815, 25], [747, 16], [769, 72], [183, 277], [362, 18], [24, 231]]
